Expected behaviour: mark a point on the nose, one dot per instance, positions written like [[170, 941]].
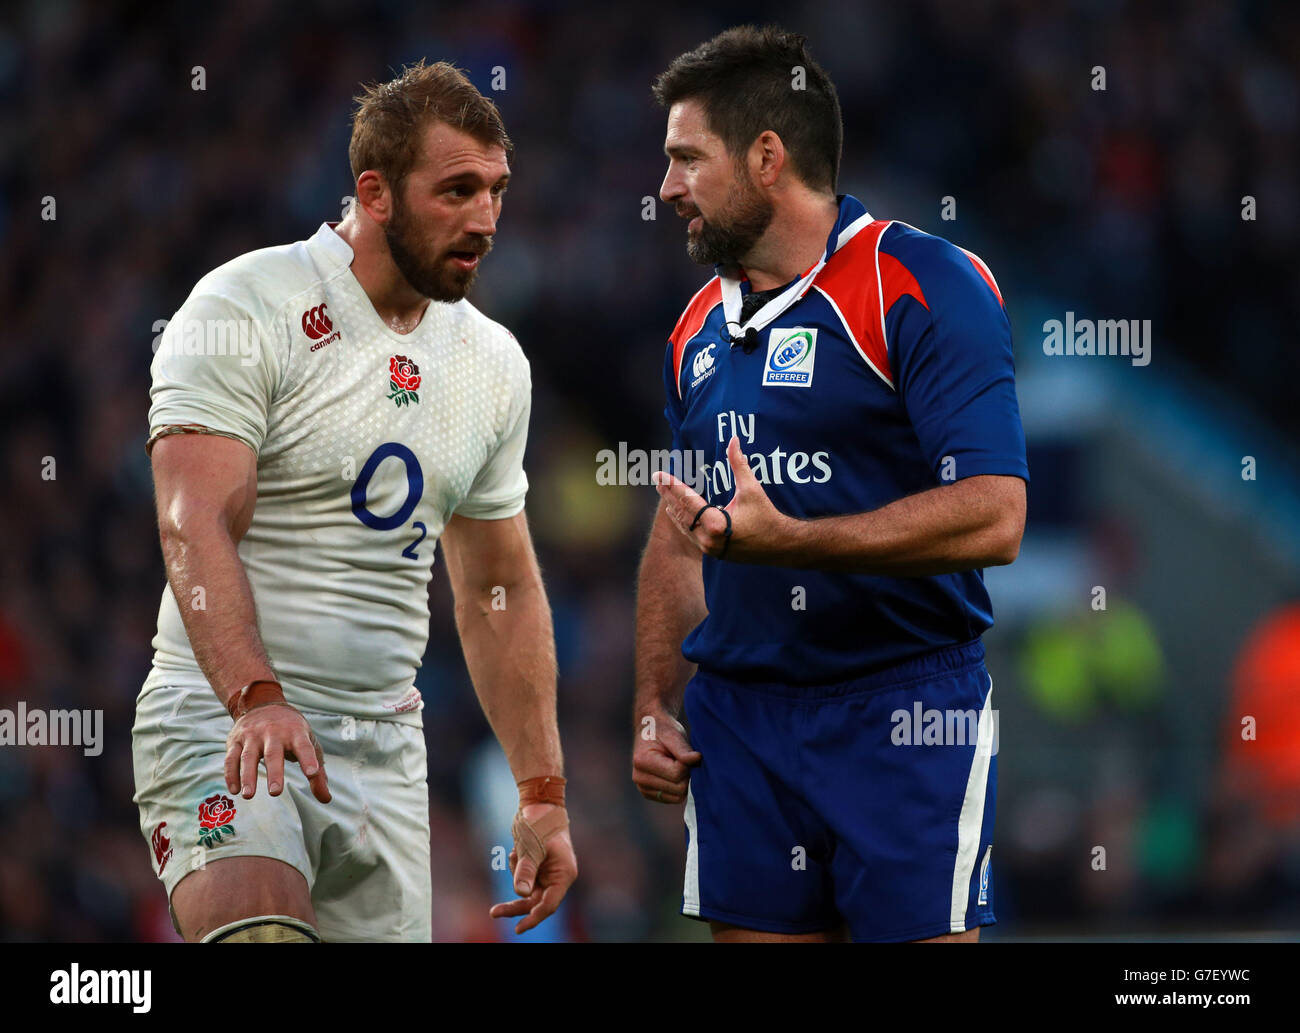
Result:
[[673, 186], [483, 215]]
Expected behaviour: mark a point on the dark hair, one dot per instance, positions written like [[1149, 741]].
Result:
[[387, 124], [744, 78]]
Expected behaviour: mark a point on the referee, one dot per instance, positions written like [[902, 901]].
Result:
[[813, 604]]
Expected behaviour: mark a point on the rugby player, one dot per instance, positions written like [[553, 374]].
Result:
[[303, 477], [850, 383]]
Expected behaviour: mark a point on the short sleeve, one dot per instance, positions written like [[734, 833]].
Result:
[[499, 489], [216, 367], [956, 373]]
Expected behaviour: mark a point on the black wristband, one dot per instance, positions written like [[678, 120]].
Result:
[[726, 534]]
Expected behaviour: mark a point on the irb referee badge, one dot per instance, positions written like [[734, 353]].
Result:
[[790, 357]]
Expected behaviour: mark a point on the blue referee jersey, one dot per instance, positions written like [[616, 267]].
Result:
[[883, 371]]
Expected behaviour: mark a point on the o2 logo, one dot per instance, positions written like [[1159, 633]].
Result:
[[414, 489]]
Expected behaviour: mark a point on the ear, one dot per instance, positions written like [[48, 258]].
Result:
[[374, 195], [767, 158]]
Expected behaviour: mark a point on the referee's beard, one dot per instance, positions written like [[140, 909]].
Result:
[[734, 231], [438, 279]]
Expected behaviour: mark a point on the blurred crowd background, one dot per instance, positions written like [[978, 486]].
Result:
[[1121, 712]]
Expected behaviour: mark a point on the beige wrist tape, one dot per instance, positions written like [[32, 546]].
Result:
[[530, 839]]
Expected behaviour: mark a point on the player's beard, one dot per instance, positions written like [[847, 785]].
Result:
[[437, 279], [735, 230]]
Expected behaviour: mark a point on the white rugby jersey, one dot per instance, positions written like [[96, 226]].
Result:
[[367, 441]]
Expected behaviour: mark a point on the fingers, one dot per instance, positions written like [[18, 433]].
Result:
[[661, 766], [525, 874], [669, 752], [248, 759], [665, 483], [274, 741], [540, 890], [739, 463], [303, 747], [709, 526], [681, 501], [274, 754], [676, 521], [660, 779], [307, 751], [543, 909], [233, 749], [674, 740], [674, 512], [650, 786], [514, 908], [541, 903], [657, 788], [659, 791], [653, 763], [684, 505]]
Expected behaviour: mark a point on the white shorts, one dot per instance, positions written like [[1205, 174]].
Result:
[[365, 854]]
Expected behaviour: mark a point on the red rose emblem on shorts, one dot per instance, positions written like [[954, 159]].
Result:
[[216, 815], [404, 379]]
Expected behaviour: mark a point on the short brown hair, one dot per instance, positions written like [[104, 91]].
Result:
[[388, 122], [743, 79]]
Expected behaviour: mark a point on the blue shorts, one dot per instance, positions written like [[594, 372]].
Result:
[[868, 803]]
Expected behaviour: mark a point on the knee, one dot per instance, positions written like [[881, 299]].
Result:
[[264, 929]]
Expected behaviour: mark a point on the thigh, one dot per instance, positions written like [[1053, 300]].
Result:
[[373, 883], [755, 858], [194, 825], [905, 778]]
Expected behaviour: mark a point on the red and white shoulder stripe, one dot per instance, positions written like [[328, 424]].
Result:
[[861, 285], [985, 272], [706, 299]]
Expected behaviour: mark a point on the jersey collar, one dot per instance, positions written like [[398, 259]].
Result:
[[852, 219], [328, 248]]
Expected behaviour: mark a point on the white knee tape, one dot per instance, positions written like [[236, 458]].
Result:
[[264, 929]]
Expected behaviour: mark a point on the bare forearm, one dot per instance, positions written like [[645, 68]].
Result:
[[669, 603], [946, 529], [215, 600], [510, 653]]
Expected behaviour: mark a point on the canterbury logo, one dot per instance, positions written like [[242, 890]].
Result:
[[703, 361], [315, 323]]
